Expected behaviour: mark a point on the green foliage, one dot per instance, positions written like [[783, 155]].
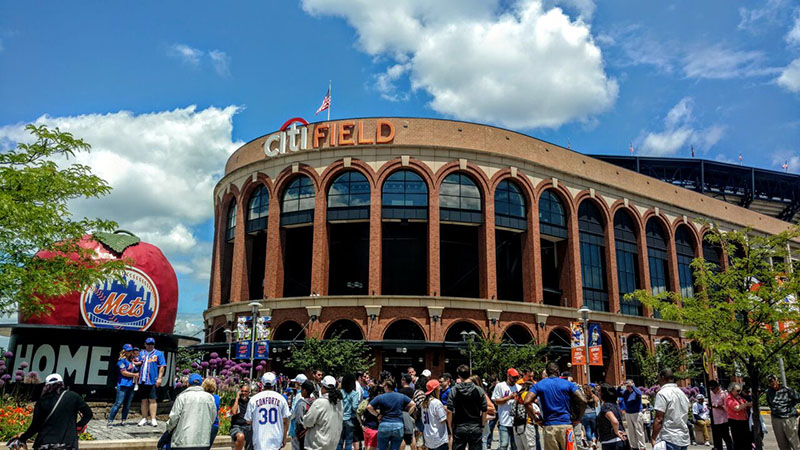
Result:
[[491, 357], [186, 357], [332, 356], [683, 364], [34, 216]]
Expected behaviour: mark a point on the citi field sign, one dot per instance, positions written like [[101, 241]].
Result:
[[296, 135]]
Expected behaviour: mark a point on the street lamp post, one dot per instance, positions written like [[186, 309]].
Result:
[[469, 336], [254, 309], [584, 311]]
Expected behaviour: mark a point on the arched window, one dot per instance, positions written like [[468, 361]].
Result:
[[712, 253], [593, 256], [558, 348], [517, 334], [552, 220], [684, 246], [297, 206], [230, 222], [636, 349], [461, 330], [509, 206], [344, 329], [348, 197], [627, 261], [460, 199], [404, 196], [289, 330], [657, 256], [403, 330], [258, 210]]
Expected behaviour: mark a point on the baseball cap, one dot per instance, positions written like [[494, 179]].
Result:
[[268, 379], [700, 397], [426, 373], [195, 379], [53, 378], [512, 372], [431, 386], [299, 379], [149, 341], [329, 382], [127, 347]]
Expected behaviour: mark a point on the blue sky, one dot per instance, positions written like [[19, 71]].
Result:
[[165, 91]]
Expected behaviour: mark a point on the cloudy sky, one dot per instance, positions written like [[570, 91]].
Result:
[[165, 91]]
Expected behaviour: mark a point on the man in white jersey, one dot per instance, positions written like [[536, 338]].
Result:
[[268, 413]]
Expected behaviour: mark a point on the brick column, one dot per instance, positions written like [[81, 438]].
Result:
[[319, 261], [273, 269], [434, 274], [611, 264], [575, 290], [239, 265], [375, 241], [215, 287], [488, 251], [644, 264]]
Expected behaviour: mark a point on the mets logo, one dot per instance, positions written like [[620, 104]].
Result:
[[131, 305]]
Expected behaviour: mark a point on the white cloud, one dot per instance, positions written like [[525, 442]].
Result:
[[793, 36], [754, 19], [679, 133], [162, 166], [530, 66], [189, 326], [720, 63], [584, 8], [187, 54], [221, 62], [790, 76], [385, 83]]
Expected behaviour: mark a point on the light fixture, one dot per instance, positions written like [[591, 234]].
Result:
[[494, 321], [584, 312], [372, 317], [421, 359], [386, 359], [435, 318], [313, 317], [447, 360]]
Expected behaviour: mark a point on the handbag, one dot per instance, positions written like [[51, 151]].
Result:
[[165, 441]]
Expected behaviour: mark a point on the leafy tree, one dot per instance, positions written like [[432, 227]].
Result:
[[490, 357], [186, 357], [34, 216], [733, 312], [332, 356], [679, 360]]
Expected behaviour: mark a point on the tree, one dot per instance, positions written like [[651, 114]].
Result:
[[683, 364], [490, 357], [734, 312], [332, 356], [34, 216]]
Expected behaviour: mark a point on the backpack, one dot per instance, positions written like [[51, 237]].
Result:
[[518, 413]]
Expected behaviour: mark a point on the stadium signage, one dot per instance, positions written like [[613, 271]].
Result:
[[293, 138], [128, 305]]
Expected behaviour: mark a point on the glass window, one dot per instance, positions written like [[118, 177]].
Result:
[[350, 189], [551, 211], [299, 196], [657, 256], [259, 204], [508, 200], [593, 264], [230, 223], [684, 245], [627, 262], [405, 188], [458, 191]]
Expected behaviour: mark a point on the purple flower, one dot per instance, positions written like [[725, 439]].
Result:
[[18, 378], [204, 364], [8, 355], [19, 373], [186, 371], [179, 384], [24, 364], [5, 377], [33, 374], [195, 365], [214, 355]]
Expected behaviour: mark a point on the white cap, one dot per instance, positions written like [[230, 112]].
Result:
[[426, 373], [53, 378], [329, 382], [300, 379], [268, 379]]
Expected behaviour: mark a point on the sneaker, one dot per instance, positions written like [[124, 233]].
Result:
[[707, 444], [143, 422], [154, 423], [109, 424]]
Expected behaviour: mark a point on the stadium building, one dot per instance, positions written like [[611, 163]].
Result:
[[412, 233]]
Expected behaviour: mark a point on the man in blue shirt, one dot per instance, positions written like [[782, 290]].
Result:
[[556, 396], [632, 398], [150, 378]]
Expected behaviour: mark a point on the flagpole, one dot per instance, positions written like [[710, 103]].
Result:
[[330, 94]]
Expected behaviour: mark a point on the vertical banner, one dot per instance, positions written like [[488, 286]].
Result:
[[262, 350], [623, 345], [243, 328], [243, 350], [263, 332], [595, 345], [578, 343]]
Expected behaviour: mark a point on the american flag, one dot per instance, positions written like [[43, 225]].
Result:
[[740, 159], [785, 165], [631, 148], [326, 102]]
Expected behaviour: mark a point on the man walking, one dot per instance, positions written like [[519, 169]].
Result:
[[467, 403], [783, 402], [672, 408], [632, 397], [702, 417], [150, 379], [556, 396], [719, 430], [268, 414], [503, 396], [191, 416]]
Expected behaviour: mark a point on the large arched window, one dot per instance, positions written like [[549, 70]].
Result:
[[558, 348], [657, 256], [509, 206], [553, 244], [712, 253], [404, 196], [627, 261], [230, 222], [289, 330], [344, 329], [297, 206], [593, 256], [403, 330], [517, 334], [348, 197], [258, 210], [462, 331], [460, 199], [684, 246]]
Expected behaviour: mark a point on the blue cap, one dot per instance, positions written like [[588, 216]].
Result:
[[150, 341], [127, 347], [195, 379]]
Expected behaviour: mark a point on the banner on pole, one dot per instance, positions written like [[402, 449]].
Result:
[[578, 343], [595, 345], [262, 350], [244, 330], [243, 350]]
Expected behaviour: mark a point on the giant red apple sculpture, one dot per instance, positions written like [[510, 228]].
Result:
[[148, 301]]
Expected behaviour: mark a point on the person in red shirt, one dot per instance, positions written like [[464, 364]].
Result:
[[736, 407]]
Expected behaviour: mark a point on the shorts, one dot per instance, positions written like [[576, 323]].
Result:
[[147, 392], [370, 438], [247, 430], [408, 438]]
